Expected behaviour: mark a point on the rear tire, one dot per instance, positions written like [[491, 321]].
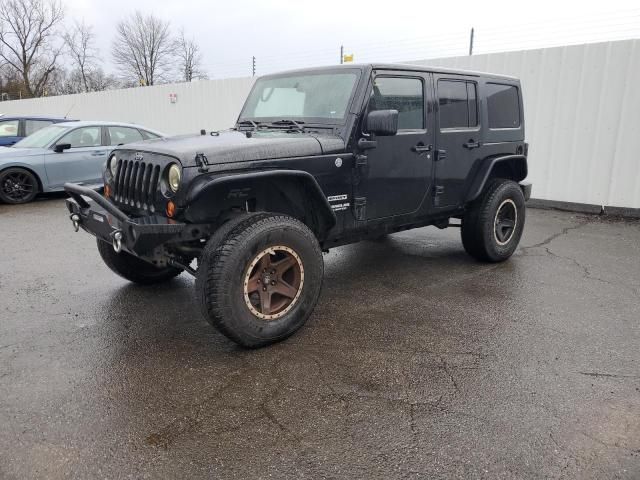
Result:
[[493, 224], [18, 185], [252, 305], [134, 269]]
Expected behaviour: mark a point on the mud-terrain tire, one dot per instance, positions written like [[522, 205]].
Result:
[[241, 298], [493, 224], [17, 186], [132, 268]]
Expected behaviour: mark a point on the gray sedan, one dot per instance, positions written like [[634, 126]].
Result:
[[65, 152]]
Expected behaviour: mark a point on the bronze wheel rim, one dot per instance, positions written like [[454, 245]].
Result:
[[506, 220], [273, 282]]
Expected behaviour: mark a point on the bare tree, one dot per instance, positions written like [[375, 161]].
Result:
[[190, 58], [64, 82], [80, 42], [143, 48], [27, 40]]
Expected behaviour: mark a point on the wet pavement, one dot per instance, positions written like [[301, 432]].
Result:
[[417, 363]]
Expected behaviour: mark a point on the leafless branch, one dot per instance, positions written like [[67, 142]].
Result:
[[143, 48], [28, 30], [190, 58], [80, 42]]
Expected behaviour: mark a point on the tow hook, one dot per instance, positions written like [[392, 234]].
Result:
[[75, 219], [117, 241]]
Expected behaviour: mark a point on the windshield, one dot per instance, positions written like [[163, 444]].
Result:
[[42, 138], [312, 97]]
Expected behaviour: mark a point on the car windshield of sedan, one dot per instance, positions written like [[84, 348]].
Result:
[[42, 138], [312, 97]]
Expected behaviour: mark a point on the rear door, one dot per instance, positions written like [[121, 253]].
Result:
[[459, 136], [83, 162], [400, 166]]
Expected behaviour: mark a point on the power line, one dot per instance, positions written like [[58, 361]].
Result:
[[540, 34]]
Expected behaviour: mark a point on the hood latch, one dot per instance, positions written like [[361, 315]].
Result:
[[202, 162]]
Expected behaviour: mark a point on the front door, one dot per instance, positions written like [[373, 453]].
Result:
[[82, 163], [459, 136], [399, 167]]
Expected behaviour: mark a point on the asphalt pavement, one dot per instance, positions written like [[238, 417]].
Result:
[[418, 362]]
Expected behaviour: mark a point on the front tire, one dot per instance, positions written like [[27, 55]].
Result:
[[18, 185], [260, 283], [493, 224], [132, 268]]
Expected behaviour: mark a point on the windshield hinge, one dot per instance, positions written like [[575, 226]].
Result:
[[202, 162]]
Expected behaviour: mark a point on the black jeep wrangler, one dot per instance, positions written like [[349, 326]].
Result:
[[318, 158]]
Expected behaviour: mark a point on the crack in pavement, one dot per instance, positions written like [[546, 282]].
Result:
[[553, 237], [446, 369], [607, 375]]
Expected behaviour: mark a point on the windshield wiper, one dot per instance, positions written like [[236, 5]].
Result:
[[250, 123], [289, 123]]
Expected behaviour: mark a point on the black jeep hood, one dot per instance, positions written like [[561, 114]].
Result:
[[233, 146]]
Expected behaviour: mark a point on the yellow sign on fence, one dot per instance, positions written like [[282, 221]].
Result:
[[347, 58]]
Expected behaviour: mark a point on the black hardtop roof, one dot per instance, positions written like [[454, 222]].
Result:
[[400, 67]]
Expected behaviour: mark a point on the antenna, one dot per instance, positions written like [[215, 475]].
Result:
[[69, 111]]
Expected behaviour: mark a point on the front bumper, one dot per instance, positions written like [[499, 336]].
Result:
[[138, 236]]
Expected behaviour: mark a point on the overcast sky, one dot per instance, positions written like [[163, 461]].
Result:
[[292, 34]]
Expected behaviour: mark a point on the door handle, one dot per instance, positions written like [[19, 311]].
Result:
[[471, 144], [97, 154], [421, 147]]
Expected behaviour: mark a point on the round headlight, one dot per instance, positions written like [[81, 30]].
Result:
[[175, 175], [113, 164]]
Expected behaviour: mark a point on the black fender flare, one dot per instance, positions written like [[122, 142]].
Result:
[[209, 193], [483, 174]]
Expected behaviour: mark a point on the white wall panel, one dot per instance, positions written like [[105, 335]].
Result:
[[208, 104], [582, 114]]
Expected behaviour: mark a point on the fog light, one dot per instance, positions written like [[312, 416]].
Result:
[[171, 209]]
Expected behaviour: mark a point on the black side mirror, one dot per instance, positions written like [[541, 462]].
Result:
[[382, 122], [61, 147]]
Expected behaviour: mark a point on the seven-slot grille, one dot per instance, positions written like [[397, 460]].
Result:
[[136, 183]]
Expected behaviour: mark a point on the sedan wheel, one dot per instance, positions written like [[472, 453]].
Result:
[[17, 186]]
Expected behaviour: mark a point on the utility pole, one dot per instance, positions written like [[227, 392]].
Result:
[[253, 66], [471, 42], [341, 54]]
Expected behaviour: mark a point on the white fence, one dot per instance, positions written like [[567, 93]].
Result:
[[582, 118], [582, 114], [208, 104]]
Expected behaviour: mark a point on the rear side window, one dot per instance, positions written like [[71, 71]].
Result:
[[148, 135], [503, 105], [458, 104], [9, 128], [402, 94], [32, 126], [122, 135]]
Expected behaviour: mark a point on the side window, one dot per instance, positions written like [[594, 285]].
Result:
[[122, 135], [9, 128], [503, 106], [403, 94], [148, 135], [32, 126], [83, 137], [458, 104]]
